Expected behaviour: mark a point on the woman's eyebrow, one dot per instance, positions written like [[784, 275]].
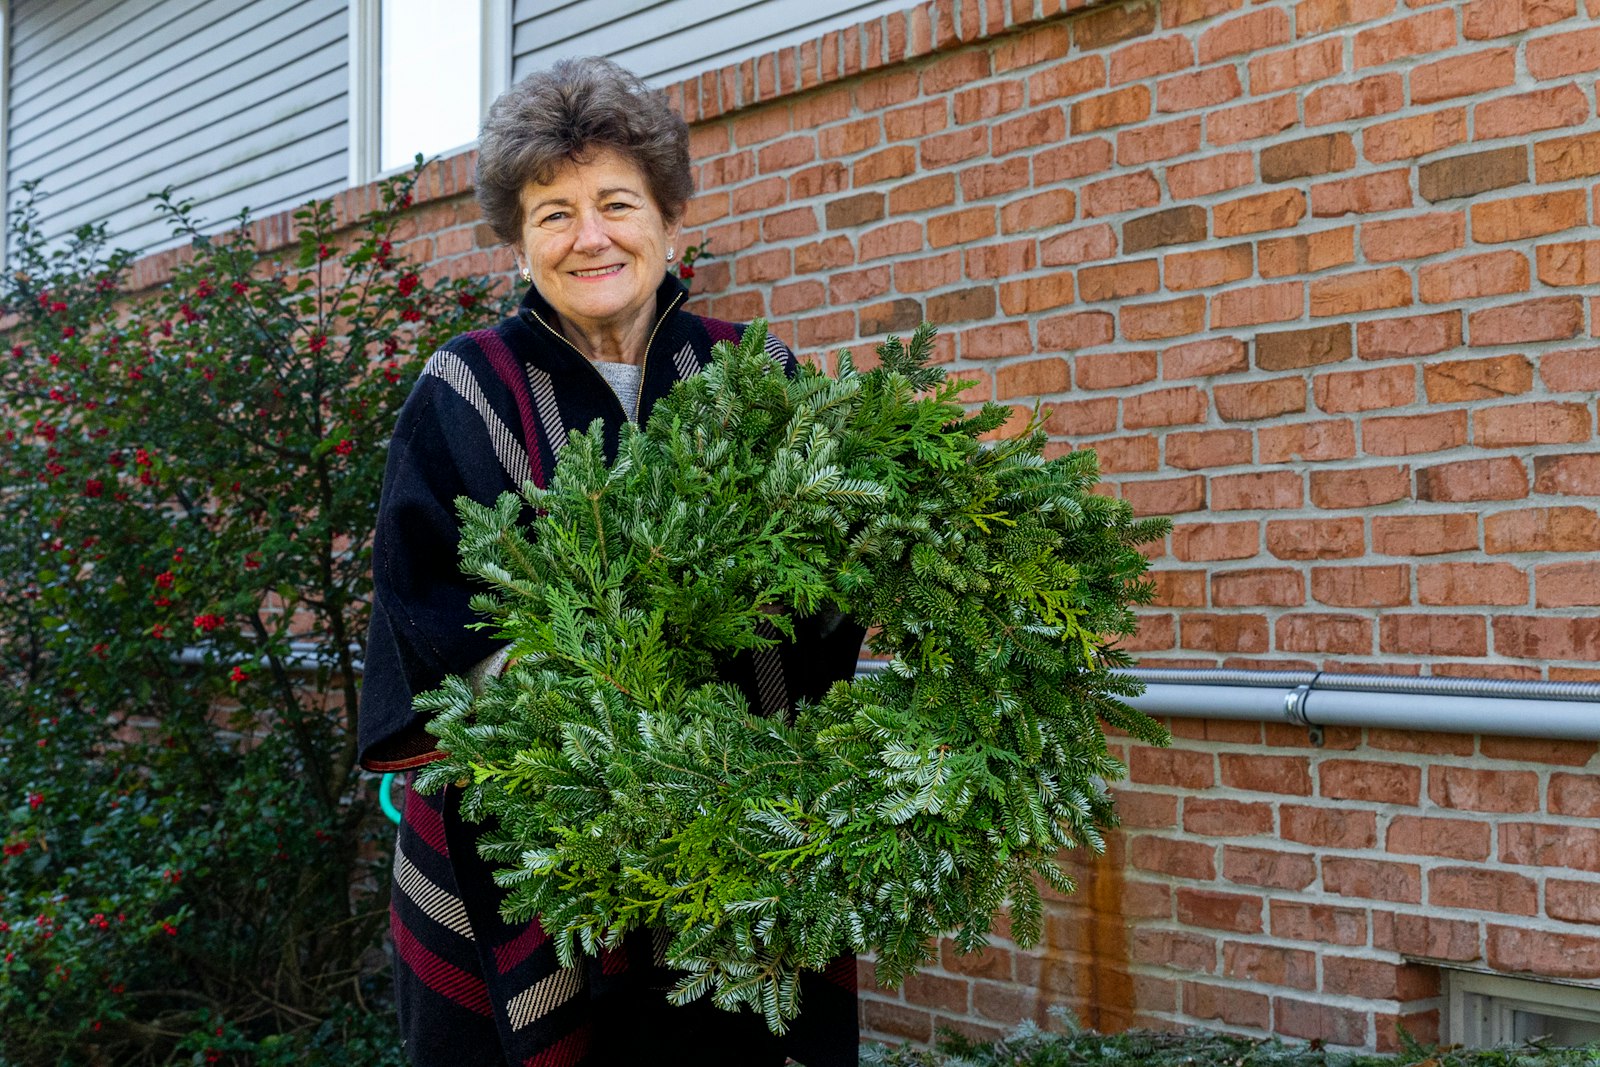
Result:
[[550, 202]]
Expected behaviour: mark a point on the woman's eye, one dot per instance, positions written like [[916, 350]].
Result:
[[554, 216]]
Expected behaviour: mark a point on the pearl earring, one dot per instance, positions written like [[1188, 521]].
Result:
[[527, 275], [669, 253]]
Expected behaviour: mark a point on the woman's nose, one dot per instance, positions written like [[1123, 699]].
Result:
[[592, 235]]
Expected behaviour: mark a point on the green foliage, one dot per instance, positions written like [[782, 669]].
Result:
[[635, 789], [191, 476], [1031, 1047]]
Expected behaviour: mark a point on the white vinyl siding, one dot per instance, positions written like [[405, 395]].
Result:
[[664, 41], [233, 104]]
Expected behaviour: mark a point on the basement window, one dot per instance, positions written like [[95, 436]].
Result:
[[1489, 1010]]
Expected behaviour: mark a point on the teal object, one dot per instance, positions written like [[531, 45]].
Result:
[[383, 798]]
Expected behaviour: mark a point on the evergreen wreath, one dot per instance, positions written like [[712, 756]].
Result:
[[634, 788]]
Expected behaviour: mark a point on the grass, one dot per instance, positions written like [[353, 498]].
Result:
[[1029, 1046]]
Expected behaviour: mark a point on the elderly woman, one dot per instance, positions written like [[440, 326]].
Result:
[[584, 172]]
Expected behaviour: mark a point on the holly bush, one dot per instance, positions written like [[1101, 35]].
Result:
[[194, 869]]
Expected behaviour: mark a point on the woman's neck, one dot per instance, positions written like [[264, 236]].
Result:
[[622, 342]]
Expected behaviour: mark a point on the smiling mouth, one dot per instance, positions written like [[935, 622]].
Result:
[[597, 272]]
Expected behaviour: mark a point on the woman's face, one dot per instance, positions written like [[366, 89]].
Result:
[[595, 241]]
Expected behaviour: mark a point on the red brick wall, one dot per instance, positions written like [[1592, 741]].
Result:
[[1316, 279]]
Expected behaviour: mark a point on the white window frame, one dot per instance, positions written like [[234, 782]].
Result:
[[1482, 1006], [366, 78]]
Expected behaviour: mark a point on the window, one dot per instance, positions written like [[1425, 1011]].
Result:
[[421, 76], [1491, 1009]]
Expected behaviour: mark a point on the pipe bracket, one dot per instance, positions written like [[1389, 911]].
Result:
[[1294, 705]]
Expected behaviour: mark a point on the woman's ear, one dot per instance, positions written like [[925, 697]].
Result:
[[675, 236]]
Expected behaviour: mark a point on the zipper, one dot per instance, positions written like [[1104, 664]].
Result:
[[638, 398]]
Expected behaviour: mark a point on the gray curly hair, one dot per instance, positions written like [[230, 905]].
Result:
[[565, 114]]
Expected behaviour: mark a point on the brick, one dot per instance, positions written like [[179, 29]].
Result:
[[896, 1020], [1228, 1004], [1567, 585], [1212, 910], [1290, 775], [1178, 588], [935, 991], [1116, 281], [1563, 158], [1538, 423], [1196, 359], [1208, 448], [1546, 319], [1577, 475], [854, 286], [1276, 587], [1242, 401], [1573, 902], [1270, 964], [1525, 113], [1431, 937], [1276, 302], [1431, 31], [1365, 390], [1312, 17], [1251, 121], [1469, 277], [1413, 237], [1319, 923], [1573, 370], [1562, 529], [1127, 454], [1499, 478], [1471, 74], [1027, 296], [1482, 890], [1113, 23], [1569, 263], [1125, 192], [1151, 58], [982, 181], [1402, 435], [1328, 827], [1164, 407], [1267, 868], [1209, 542], [800, 296], [827, 254], [1273, 72], [1365, 194], [986, 261], [850, 138], [1169, 318], [1323, 154], [1183, 12], [1178, 858], [1455, 381], [1264, 490], [957, 146], [1208, 267], [1226, 818], [1233, 632], [1416, 835], [964, 227], [788, 225], [916, 120], [1377, 979], [1212, 174], [1031, 129], [1311, 442], [1539, 750], [1521, 217], [1459, 584], [1369, 780], [1178, 768], [1179, 225], [1077, 330], [1547, 638], [1408, 336], [1368, 290], [1072, 78], [1166, 496], [1370, 586], [984, 102], [924, 194], [1114, 370], [894, 239], [1486, 19], [1348, 635], [1078, 246], [1038, 212], [1378, 94], [1547, 845], [1470, 789], [893, 316], [997, 341], [1564, 54], [1433, 635], [1575, 794], [1259, 213], [1154, 633], [930, 272], [1121, 107], [1306, 253], [1306, 539], [1470, 175], [1245, 34], [1418, 135], [1372, 879]]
